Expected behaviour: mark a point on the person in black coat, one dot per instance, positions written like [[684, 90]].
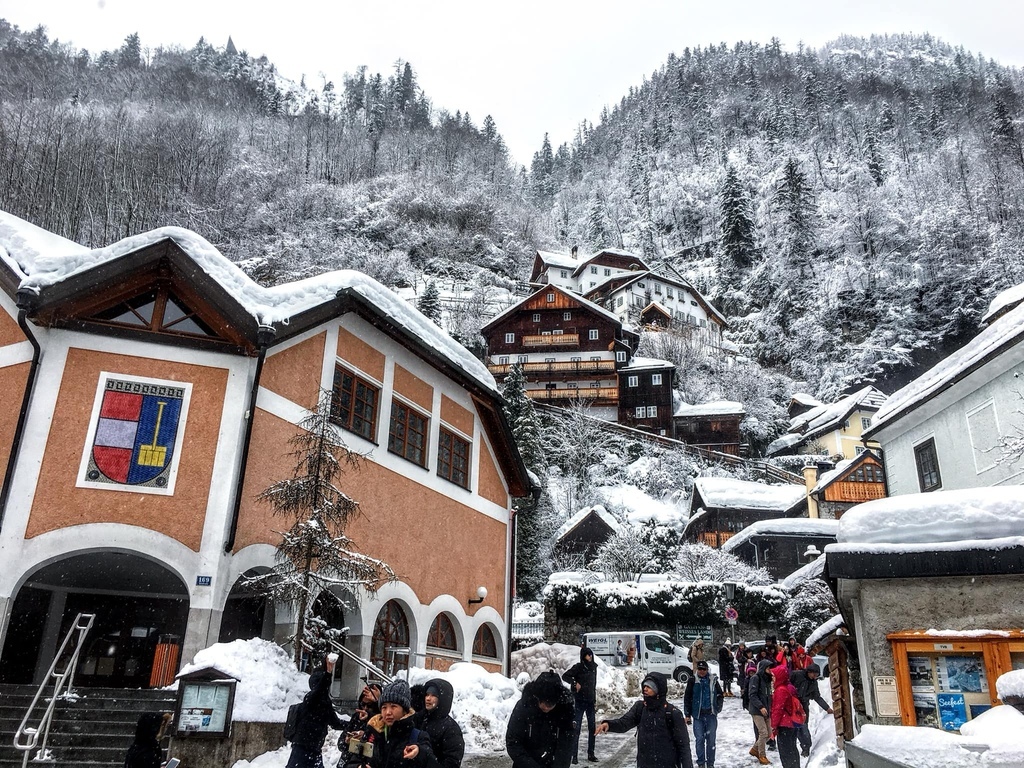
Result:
[[759, 696], [582, 680], [355, 728], [726, 668], [662, 740], [806, 683], [540, 731], [145, 750], [316, 716], [397, 742], [446, 739]]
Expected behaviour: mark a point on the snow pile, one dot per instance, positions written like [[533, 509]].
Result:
[[1001, 729], [987, 517], [919, 747], [1004, 302], [482, 706], [1010, 684], [268, 682], [614, 685]]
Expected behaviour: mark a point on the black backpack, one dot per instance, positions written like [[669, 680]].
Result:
[[291, 724]]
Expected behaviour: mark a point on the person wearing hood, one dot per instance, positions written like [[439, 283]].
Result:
[[145, 750], [446, 739], [395, 739], [540, 730], [316, 716], [759, 698], [787, 716], [806, 683], [697, 652], [662, 740], [582, 680]]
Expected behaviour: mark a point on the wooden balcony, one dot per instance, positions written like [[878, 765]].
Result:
[[554, 340], [599, 394], [570, 367]]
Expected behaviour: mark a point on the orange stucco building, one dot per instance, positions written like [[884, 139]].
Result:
[[150, 390]]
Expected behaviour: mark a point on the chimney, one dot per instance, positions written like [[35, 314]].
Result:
[[575, 251]]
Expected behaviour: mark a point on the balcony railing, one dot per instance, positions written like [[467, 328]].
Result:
[[573, 393], [570, 366], [554, 340]]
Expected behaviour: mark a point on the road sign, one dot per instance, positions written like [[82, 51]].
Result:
[[731, 614]]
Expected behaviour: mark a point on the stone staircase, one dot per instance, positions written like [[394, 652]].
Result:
[[95, 729]]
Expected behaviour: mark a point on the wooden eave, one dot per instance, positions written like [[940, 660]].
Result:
[[864, 458], [73, 302]]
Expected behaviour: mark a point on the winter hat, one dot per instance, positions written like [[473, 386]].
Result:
[[548, 687], [813, 668], [702, 665], [398, 693], [649, 682], [431, 690]]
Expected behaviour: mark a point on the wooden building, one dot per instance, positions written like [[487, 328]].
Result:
[[851, 482], [835, 430], [721, 507], [645, 395], [714, 426], [782, 545], [584, 533]]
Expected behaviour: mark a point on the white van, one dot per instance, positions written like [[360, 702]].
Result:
[[644, 650]]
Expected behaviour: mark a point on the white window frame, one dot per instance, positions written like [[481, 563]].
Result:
[[567, 315], [510, 338], [639, 412], [593, 335], [536, 317], [652, 411], [620, 357], [656, 379], [632, 381]]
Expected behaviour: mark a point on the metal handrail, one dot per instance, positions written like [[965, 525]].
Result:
[[67, 676], [367, 665]]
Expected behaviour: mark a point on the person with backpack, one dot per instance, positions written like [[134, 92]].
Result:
[[540, 730], [395, 739], [582, 680], [702, 701], [308, 721], [446, 739], [787, 716], [806, 683], [759, 698], [662, 740]]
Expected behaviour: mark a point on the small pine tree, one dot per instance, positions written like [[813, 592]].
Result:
[[429, 303], [522, 418], [315, 553]]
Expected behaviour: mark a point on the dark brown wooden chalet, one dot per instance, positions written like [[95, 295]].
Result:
[[852, 482], [655, 314], [645, 395], [721, 507], [714, 426], [568, 347], [584, 533]]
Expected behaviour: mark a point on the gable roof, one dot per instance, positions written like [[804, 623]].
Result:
[[826, 418], [597, 511], [1000, 336], [843, 470], [728, 493], [585, 303], [45, 270], [612, 258], [676, 280]]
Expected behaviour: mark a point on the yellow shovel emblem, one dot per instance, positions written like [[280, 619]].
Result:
[[153, 455]]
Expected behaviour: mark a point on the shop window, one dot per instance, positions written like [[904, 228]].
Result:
[[354, 403], [927, 462]]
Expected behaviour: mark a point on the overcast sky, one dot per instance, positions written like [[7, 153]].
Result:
[[534, 66]]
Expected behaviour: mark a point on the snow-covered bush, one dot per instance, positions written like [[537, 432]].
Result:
[[811, 605]]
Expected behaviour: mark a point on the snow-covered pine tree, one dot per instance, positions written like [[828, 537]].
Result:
[[429, 303], [699, 562], [737, 227], [315, 554], [811, 605]]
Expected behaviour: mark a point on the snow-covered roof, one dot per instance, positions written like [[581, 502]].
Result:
[[586, 303], [728, 493], [805, 399], [785, 526], [559, 260], [716, 408], [579, 517], [843, 466], [825, 418], [988, 344], [1003, 303], [970, 518], [641, 363], [825, 629], [658, 306], [41, 259]]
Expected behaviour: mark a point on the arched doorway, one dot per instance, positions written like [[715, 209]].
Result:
[[139, 605], [389, 649], [247, 613]]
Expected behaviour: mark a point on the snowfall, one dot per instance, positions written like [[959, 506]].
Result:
[[268, 684]]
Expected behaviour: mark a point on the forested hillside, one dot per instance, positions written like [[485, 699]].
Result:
[[858, 206], [851, 210]]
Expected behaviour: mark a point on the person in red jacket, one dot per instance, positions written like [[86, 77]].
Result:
[[787, 716]]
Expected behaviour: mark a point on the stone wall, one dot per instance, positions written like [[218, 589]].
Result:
[[247, 740]]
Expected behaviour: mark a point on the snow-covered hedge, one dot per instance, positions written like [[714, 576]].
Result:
[[676, 602]]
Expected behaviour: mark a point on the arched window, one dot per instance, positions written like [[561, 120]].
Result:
[[442, 634], [484, 643], [389, 649]]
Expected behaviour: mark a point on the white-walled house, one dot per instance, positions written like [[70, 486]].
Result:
[[946, 429]]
